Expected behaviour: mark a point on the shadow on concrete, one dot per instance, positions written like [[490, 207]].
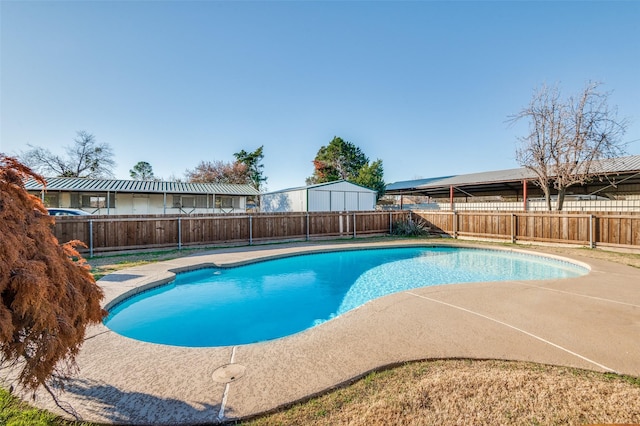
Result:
[[98, 400], [115, 277]]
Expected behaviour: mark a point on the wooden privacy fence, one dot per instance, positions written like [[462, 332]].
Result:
[[591, 229], [115, 233]]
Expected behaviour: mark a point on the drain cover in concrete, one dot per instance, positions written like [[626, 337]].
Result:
[[228, 373]]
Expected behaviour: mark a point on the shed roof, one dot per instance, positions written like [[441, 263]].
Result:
[[318, 185], [137, 186]]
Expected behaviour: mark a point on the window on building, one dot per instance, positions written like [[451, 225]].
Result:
[[201, 201], [224, 202], [75, 200], [206, 201], [97, 201], [227, 202], [189, 202], [51, 200]]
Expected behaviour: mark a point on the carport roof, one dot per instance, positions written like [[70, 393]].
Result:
[[412, 184], [504, 180], [137, 186]]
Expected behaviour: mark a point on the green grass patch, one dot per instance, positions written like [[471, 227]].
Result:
[[14, 412]]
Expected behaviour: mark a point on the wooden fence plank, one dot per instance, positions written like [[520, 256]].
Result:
[[157, 231]]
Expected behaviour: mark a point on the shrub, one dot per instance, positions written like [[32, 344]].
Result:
[[47, 300], [410, 228]]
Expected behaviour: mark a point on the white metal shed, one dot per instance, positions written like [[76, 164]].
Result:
[[334, 196]]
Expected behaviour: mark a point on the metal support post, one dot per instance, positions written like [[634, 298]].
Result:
[[91, 238]]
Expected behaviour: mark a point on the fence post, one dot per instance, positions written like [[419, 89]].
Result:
[[307, 226], [455, 224], [179, 233], [390, 223], [90, 237], [250, 230], [592, 243], [513, 228], [354, 225]]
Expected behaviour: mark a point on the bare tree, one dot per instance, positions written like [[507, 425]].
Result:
[[85, 158], [567, 137], [545, 116]]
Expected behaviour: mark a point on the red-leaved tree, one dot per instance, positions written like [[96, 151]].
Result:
[[48, 296], [220, 172]]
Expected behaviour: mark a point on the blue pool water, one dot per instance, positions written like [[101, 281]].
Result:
[[276, 298]]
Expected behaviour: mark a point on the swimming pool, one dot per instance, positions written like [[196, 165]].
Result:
[[275, 298]]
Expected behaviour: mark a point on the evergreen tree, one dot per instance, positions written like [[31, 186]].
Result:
[[253, 161], [142, 171], [371, 176]]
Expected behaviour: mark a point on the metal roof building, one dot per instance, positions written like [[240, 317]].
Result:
[[113, 196], [617, 177], [323, 197], [137, 186]]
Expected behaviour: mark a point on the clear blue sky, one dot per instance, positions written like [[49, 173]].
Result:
[[425, 86]]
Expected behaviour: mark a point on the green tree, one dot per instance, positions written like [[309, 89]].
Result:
[[371, 176], [142, 171], [344, 160], [253, 162], [338, 160]]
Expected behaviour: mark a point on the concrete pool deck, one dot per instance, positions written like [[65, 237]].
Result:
[[590, 322]]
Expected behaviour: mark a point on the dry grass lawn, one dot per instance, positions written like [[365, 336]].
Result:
[[465, 392]]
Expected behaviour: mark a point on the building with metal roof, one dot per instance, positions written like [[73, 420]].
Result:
[[334, 196], [617, 179], [113, 196]]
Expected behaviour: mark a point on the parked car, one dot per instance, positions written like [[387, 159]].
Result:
[[67, 212]]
